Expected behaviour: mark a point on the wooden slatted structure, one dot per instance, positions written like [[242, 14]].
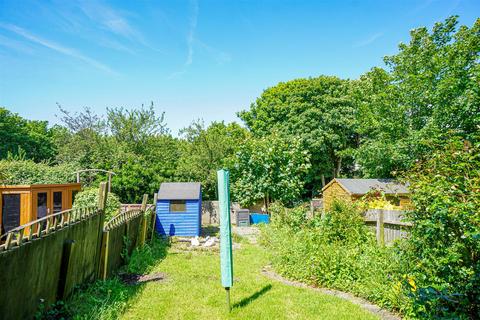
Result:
[[21, 204], [179, 209]]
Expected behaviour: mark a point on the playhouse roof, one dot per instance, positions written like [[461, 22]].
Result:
[[179, 191], [363, 186]]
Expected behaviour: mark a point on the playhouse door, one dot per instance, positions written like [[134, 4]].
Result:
[[59, 200], [41, 204], [10, 211]]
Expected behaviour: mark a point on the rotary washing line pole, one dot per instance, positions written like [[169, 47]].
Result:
[[226, 259]]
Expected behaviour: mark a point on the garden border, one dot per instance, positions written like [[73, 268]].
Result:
[[382, 313]]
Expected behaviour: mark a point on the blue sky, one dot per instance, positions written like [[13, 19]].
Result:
[[193, 59]]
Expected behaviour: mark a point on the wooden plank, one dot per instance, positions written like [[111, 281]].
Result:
[[20, 237], [102, 196], [154, 214], [104, 255], [8, 242], [64, 268], [144, 220], [380, 229], [102, 201], [1, 216]]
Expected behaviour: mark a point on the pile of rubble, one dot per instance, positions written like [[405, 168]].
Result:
[[207, 242]]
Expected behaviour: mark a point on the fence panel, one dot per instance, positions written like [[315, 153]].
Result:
[[389, 225], [32, 269], [121, 235]]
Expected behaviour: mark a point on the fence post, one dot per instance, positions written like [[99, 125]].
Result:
[[154, 214], [102, 202], [102, 196], [380, 228], [144, 219], [104, 255]]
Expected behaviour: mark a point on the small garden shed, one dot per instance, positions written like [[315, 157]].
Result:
[[20, 204], [179, 209], [353, 189]]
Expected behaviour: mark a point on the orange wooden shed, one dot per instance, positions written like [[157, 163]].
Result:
[[20, 204]]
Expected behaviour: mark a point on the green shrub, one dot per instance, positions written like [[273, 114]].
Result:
[[89, 197], [444, 246], [28, 172], [294, 218]]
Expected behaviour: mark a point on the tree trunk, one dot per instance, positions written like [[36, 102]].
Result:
[[267, 202], [323, 180], [337, 166]]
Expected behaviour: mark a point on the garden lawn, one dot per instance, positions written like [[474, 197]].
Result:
[[193, 291]]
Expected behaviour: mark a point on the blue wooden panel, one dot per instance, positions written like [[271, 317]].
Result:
[[178, 223]]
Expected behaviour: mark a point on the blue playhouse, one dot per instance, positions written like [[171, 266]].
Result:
[[179, 209]]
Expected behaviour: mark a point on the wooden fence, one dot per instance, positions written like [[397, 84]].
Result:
[[389, 225], [123, 233], [42, 227], [46, 259]]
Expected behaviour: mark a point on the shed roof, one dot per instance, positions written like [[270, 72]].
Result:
[[40, 186], [363, 186], [179, 191]]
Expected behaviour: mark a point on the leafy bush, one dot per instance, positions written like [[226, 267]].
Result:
[[335, 251], [294, 218], [89, 196], [14, 171], [444, 246]]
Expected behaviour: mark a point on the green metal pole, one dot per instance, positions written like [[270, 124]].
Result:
[[226, 257]]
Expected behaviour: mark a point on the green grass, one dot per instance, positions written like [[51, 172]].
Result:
[[193, 291]]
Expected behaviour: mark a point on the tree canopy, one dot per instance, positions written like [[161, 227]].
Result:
[[319, 111], [17, 134], [271, 168]]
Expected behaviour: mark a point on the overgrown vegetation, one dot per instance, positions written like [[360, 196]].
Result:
[[444, 245], [269, 168], [89, 197], [433, 274], [108, 299], [22, 171], [335, 250]]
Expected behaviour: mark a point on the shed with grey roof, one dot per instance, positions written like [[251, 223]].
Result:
[[353, 189], [178, 210], [363, 186]]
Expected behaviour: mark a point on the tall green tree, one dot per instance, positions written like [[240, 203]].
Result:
[[320, 111], [430, 88], [205, 150], [270, 168], [17, 134], [135, 144]]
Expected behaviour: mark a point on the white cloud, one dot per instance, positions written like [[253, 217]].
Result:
[[190, 39], [57, 47], [113, 21], [191, 31], [368, 41], [15, 45]]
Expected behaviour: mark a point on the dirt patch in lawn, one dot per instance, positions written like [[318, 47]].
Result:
[[134, 278]]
